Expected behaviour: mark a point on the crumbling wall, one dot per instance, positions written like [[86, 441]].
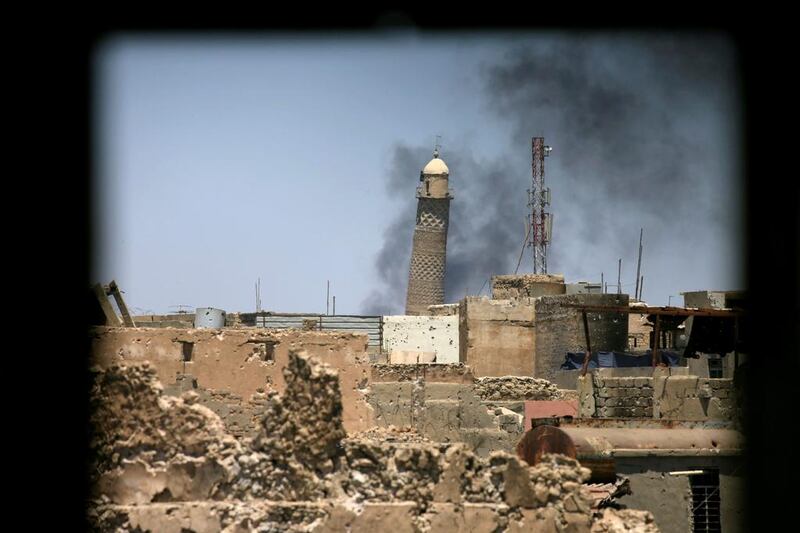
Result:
[[669, 394], [497, 336], [695, 398], [527, 286], [242, 362], [422, 334], [516, 388], [166, 464], [486, 413], [174, 320], [242, 417], [559, 329]]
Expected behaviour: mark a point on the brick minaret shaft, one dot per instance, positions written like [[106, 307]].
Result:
[[428, 255]]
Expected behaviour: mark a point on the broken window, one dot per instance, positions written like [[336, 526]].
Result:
[[705, 501], [188, 350], [715, 368]]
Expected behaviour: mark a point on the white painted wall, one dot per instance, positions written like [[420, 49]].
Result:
[[437, 334]]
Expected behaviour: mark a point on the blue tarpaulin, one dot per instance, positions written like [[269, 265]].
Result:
[[574, 360]]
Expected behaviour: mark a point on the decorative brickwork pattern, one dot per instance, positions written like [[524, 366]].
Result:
[[428, 256]]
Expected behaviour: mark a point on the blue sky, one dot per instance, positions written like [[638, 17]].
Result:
[[221, 160]]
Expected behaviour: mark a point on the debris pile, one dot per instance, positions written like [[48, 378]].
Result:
[[166, 463], [516, 388], [390, 433]]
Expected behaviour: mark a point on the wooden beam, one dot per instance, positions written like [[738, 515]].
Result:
[[588, 355], [126, 316], [102, 298], [656, 339], [666, 311]]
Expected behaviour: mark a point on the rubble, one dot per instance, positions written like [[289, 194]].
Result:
[[391, 433], [516, 388], [624, 521], [167, 464]]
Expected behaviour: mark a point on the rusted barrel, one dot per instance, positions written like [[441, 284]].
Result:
[[544, 439]]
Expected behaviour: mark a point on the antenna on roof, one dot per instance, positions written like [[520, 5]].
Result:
[[436, 146]]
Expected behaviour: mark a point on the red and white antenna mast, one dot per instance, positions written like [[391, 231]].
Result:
[[541, 222]]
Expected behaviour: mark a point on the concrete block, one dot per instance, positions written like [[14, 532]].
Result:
[[408, 357], [480, 517], [577, 522], [474, 413], [539, 520], [384, 515], [444, 391], [446, 517], [586, 396], [644, 382], [392, 403], [439, 420]]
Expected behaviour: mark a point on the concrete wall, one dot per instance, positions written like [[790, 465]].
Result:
[[623, 397], [559, 329], [445, 404], [242, 362], [497, 336], [327, 516], [527, 286], [666, 393], [174, 320], [694, 398], [436, 334], [668, 497], [240, 415]]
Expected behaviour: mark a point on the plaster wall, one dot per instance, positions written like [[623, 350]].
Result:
[[437, 334], [497, 337], [242, 362]]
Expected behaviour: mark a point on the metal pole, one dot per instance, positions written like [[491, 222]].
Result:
[[601, 281], [334, 306], [641, 284], [619, 277], [638, 265]]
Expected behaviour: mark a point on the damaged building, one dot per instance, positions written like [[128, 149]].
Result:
[[308, 428], [549, 406]]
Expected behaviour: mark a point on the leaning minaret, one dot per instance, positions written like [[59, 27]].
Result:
[[426, 273]]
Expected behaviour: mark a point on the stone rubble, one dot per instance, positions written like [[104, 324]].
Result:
[[166, 463], [516, 388]]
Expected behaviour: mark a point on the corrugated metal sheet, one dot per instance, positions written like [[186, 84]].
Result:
[[372, 326]]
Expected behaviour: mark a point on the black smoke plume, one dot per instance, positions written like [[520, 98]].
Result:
[[645, 132]]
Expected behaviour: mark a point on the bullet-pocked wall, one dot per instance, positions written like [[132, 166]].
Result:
[[429, 338]]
